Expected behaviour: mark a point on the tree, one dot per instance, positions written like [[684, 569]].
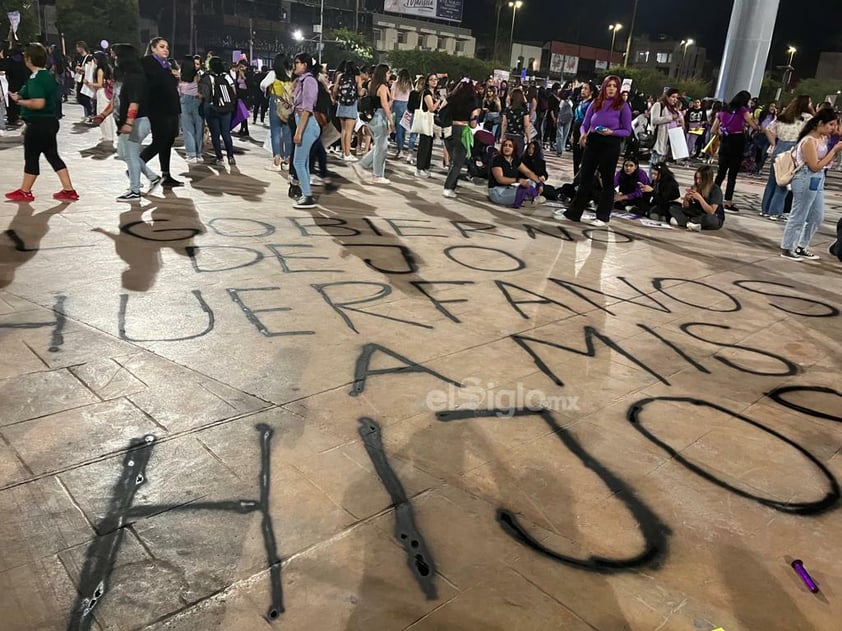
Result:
[[95, 20], [29, 27], [427, 61], [347, 44], [818, 89]]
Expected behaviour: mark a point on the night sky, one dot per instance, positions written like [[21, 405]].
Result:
[[800, 23]]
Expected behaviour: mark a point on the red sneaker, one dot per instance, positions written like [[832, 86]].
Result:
[[20, 195], [66, 196]]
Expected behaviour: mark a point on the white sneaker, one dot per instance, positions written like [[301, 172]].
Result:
[[350, 158], [540, 199], [449, 193], [673, 221], [597, 222], [315, 180], [694, 227], [273, 167], [380, 180], [422, 173]]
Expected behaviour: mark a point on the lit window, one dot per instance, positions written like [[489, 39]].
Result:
[[664, 58], [643, 56]]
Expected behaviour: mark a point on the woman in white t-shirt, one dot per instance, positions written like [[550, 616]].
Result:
[[783, 134], [812, 156]]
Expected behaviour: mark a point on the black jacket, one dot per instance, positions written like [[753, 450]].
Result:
[[162, 88]]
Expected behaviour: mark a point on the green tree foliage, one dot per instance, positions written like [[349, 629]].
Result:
[[427, 61], [342, 44], [29, 24], [95, 20], [817, 89], [769, 89], [651, 82]]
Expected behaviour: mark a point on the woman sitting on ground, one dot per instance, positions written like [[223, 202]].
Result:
[[627, 186], [701, 208], [511, 182], [533, 159], [662, 193]]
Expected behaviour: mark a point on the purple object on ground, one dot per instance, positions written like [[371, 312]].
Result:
[[798, 566]]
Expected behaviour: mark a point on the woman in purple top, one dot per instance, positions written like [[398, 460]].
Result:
[[305, 92], [607, 122], [729, 125]]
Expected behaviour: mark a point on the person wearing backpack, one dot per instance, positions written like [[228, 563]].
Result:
[[346, 91], [220, 96], [278, 82], [565, 119], [306, 92], [381, 125]]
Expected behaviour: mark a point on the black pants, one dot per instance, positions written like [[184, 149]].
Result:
[[577, 151], [425, 152], [164, 131], [40, 137], [85, 101], [458, 155], [731, 149], [696, 215], [601, 155]]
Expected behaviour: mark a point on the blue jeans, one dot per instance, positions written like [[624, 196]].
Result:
[[562, 132], [502, 195], [280, 133], [219, 124], [128, 150], [301, 161], [807, 209], [192, 126], [399, 109], [376, 158], [774, 196]]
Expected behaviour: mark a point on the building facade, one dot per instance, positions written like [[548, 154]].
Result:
[[830, 67], [395, 32], [669, 56]]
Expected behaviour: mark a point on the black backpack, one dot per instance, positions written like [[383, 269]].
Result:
[[414, 101], [347, 90], [224, 95], [365, 108]]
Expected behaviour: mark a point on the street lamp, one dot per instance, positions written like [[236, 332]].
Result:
[[613, 28], [514, 6], [684, 44], [297, 35], [791, 50]]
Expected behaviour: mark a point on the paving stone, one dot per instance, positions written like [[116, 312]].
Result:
[[108, 379], [39, 394], [60, 440]]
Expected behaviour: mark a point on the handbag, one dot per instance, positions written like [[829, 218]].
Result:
[[422, 123], [785, 168]]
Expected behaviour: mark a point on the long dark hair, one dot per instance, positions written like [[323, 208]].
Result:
[[618, 101], [153, 43], [462, 97], [102, 64], [825, 115], [665, 100], [535, 162], [281, 67], [188, 70], [379, 77], [739, 101], [628, 181], [795, 108], [127, 60], [665, 176]]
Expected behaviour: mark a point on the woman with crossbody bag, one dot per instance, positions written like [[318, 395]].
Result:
[[278, 82], [812, 157]]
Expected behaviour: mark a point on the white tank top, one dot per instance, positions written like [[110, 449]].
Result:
[[821, 150]]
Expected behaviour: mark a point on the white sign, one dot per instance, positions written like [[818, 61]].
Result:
[[501, 75], [601, 65], [626, 87], [450, 10], [556, 62], [571, 64], [14, 20]]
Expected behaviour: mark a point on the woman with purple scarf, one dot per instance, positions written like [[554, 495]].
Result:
[[164, 107]]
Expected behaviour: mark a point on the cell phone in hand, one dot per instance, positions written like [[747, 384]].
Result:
[[599, 129]]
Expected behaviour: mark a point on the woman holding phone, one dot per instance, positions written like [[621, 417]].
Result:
[[607, 122]]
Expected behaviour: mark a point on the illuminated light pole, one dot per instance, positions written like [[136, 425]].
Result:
[[791, 50], [629, 40], [514, 7], [684, 44], [613, 28]]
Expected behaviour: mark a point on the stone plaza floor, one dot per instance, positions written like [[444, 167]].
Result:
[[400, 411]]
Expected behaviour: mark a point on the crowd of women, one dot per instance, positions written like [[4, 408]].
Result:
[[496, 131]]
